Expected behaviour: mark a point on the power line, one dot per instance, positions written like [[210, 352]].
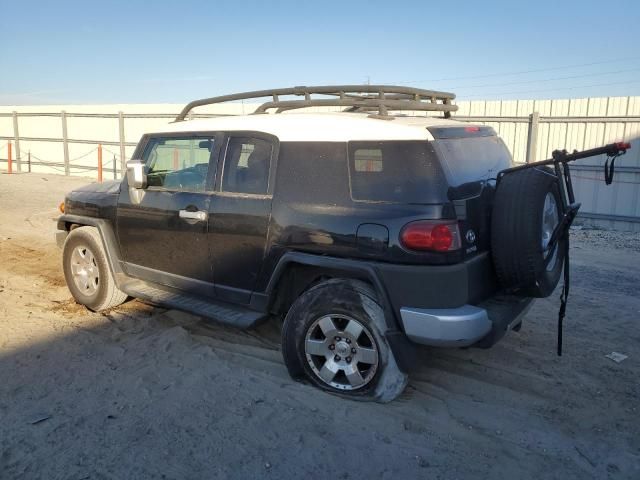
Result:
[[556, 89], [522, 72], [549, 79]]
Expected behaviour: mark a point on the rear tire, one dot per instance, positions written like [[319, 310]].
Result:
[[87, 272], [333, 335], [526, 209]]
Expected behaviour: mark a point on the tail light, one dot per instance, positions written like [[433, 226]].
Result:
[[437, 236]]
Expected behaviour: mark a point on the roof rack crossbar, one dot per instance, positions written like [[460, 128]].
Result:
[[368, 103], [358, 97]]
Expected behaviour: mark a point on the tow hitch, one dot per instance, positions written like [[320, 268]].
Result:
[[569, 207]]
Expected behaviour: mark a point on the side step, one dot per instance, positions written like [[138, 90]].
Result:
[[234, 315]]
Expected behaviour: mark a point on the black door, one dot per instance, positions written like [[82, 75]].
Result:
[[239, 213], [163, 229]]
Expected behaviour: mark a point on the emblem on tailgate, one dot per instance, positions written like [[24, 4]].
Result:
[[470, 236]]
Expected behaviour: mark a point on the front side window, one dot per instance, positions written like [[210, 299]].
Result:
[[247, 163], [178, 163]]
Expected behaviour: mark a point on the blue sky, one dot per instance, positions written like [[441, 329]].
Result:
[[159, 51]]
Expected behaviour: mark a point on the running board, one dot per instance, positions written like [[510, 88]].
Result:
[[229, 314]]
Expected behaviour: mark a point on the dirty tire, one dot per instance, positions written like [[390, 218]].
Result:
[[343, 300], [102, 293], [517, 232]]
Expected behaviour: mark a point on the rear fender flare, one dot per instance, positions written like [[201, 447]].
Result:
[[404, 351], [351, 269]]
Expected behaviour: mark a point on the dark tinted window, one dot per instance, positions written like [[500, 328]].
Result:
[[178, 163], [246, 165], [313, 172], [472, 159], [396, 171]]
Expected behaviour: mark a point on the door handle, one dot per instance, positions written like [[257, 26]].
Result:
[[198, 215]]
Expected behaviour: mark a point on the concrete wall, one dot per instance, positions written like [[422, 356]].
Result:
[[91, 128]]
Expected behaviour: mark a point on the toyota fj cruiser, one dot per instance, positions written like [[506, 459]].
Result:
[[368, 231]]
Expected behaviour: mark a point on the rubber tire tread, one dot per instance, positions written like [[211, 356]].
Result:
[[516, 229], [354, 298]]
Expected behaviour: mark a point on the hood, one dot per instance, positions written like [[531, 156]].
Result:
[[110, 186]]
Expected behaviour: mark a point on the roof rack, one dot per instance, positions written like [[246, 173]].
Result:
[[358, 98]]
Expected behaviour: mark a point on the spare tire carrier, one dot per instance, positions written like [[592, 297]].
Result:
[[557, 237]]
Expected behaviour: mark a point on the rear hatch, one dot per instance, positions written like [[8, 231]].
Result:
[[471, 157]]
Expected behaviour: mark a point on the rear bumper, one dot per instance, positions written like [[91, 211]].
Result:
[[445, 327], [464, 326], [439, 286], [455, 305]]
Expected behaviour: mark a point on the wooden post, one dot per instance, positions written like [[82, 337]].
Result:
[[100, 163], [16, 138], [65, 143], [29, 161], [175, 159], [115, 169], [9, 166]]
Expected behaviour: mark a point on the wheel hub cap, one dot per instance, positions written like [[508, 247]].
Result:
[[342, 348], [84, 270], [341, 352]]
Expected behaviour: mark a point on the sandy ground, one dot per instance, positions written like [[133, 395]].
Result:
[[141, 392]]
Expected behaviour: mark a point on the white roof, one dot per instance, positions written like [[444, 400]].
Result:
[[327, 127]]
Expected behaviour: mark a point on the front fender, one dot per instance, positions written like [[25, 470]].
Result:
[[107, 234]]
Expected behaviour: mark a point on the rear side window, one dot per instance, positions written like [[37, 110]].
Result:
[[395, 172], [246, 166]]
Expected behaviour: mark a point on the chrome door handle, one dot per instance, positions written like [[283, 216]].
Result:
[[199, 215]]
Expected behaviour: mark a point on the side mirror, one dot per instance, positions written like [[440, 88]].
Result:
[[136, 176]]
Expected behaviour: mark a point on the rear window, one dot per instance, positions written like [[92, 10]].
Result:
[[472, 158], [396, 172]]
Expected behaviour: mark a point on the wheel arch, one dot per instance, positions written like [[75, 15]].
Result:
[[297, 272], [68, 222], [316, 268]]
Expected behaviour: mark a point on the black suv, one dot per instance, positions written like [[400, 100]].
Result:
[[368, 232]]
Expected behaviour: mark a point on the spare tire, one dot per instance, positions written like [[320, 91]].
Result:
[[526, 210]]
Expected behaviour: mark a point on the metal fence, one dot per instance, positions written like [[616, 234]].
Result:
[[25, 160], [531, 130]]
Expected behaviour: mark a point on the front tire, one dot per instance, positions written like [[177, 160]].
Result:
[[333, 336], [87, 272]]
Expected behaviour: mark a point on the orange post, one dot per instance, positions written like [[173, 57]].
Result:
[[9, 166], [100, 163], [175, 159]]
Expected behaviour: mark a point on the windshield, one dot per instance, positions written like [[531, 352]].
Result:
[[473, 158]]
